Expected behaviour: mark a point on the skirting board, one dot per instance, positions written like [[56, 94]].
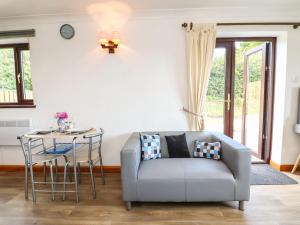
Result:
[[117, 169], [39, 168], [282, 167]]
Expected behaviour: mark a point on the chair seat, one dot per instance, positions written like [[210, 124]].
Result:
[[60, 149], [185, 179], [82, 155], [41, 158]]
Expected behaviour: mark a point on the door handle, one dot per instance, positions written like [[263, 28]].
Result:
[[19, 78], [228, 101]]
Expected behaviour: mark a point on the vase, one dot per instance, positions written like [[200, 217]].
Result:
[[61, 125]]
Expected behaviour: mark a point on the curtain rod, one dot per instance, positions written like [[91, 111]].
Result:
[[17, 33], [294, 24]]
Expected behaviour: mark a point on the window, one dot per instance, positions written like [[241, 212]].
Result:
[[15, 76]]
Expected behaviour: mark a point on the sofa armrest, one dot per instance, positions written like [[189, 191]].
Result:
[[130, 161], [237, 157]]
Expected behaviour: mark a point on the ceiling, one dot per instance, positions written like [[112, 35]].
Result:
[[20, 8]]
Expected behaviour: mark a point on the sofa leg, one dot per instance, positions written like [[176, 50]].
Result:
[[128, 206], [242, 205]]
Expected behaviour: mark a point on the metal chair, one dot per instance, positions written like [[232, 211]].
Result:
[[90, 156], [33, 158]]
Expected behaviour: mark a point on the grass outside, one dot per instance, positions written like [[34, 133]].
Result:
[[215, 108]]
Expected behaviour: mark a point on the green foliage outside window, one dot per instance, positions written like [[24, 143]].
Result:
[[7, 69], [26, 70], [215, 93]]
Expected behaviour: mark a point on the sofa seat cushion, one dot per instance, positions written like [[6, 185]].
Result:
[[208, 180], [185, 179], [161, 180]]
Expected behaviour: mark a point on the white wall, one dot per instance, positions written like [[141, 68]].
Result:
[[291, 141], [141, 87], [279, 98]]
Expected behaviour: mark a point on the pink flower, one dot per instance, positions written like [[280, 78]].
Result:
[[61, 115]]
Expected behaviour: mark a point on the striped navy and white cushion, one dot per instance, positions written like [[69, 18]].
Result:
[[207, 150], [150, 146]]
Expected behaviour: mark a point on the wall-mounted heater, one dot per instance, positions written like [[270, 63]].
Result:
[[10, 129]]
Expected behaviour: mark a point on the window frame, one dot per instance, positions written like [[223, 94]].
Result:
[[21, 101]]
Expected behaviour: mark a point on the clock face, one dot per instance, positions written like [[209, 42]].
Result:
[[67, 31]]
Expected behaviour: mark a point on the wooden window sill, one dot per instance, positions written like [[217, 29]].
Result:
[[17, 106]]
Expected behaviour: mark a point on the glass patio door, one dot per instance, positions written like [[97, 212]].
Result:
[[254, 83], [237, 96], [217, 106]]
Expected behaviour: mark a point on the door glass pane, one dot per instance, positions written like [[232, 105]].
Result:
[[241, 49], [252, 105], [238, 91], [214, 105], [26, 72], [8, 91]]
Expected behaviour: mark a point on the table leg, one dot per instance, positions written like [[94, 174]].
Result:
[[32, 183], [101, 163], [65, 180], [75, 170], [52, 181], [31, 172], [45, 172], [26, 180], [79, 173], [56, 170]]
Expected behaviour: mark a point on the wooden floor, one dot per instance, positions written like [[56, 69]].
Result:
[[269, 205]]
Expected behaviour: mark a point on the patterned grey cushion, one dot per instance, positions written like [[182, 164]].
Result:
[[150, 146], [207, 150]]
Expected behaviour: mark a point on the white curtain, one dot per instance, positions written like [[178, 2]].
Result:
[[200, 43]]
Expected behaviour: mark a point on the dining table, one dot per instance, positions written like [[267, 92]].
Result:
[[76, 138]]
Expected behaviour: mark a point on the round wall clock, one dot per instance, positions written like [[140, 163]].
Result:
[[67, 31]]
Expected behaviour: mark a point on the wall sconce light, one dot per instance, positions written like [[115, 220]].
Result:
[[111, 44]]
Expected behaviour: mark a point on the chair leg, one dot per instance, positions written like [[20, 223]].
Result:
[[128, 206], [56, 170], [242, 205], [32, 184], [79, 174], [26, 181], [69, 172], [296, 164], [92, 179], [101, 167], [45, 172], [52, 181], [75, 172], [64, 184]]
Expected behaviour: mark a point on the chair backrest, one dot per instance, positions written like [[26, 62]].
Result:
[[36, 146], [94, 143]]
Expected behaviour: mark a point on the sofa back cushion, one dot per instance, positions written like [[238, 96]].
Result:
[[191, 137], [177, 146], [150, 146], [209, 150]]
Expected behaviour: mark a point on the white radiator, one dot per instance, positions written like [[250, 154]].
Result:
[[10, 129]]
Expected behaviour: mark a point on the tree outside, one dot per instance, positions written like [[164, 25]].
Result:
[[214, 106], [8, 81]]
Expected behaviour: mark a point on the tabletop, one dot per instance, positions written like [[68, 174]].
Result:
[[58, 135]]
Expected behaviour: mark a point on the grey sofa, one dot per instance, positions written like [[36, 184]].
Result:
[[186, 179]]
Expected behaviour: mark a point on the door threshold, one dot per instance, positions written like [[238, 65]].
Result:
[[255, 160]]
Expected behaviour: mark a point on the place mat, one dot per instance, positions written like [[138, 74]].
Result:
[[41, 132], [78, 131]]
